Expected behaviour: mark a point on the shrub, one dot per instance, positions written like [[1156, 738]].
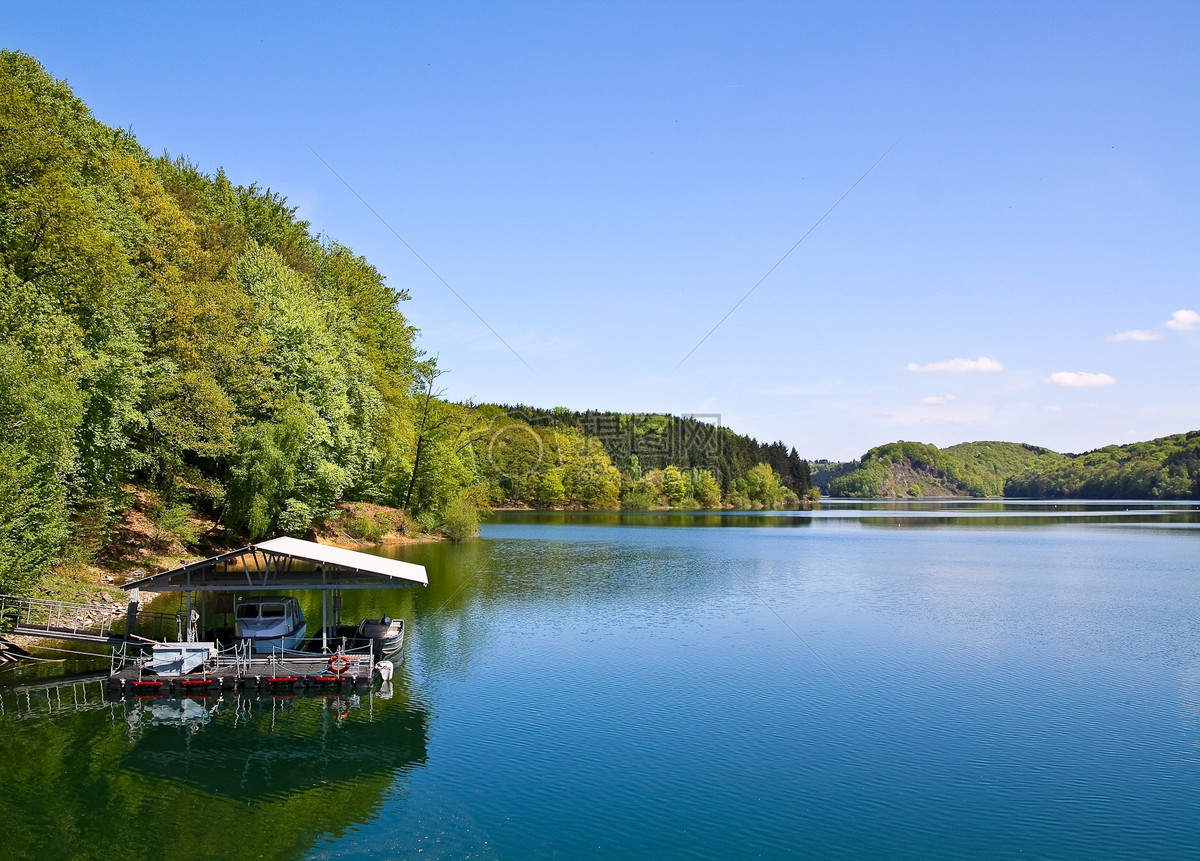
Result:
[[295, 517], [638, 500], [461, 519], [364, 527], [738, 500], [427, 521], [403, 523], [174, 521]]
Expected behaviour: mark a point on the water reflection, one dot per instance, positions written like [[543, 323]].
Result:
[[258, 748], [604, 691], [236, 774], [942, 512]]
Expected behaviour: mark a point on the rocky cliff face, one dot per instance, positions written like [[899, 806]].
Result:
[[906, 480]]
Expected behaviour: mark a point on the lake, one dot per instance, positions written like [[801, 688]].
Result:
[[887, 680]]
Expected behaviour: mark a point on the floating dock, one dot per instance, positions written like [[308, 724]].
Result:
[[262, 672], [278, 565]]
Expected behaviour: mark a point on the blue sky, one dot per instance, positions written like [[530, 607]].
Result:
[[602, 182]]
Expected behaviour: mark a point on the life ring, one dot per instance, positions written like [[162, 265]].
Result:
[[338, 664]]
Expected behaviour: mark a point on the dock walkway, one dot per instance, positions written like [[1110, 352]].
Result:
[[77, 622], [293, 670]]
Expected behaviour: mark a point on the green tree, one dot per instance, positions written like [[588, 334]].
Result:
[[675, 486], [41, 408], [65, 230], [281, 478], [705, 488]]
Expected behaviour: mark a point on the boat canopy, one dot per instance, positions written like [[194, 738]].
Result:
[[284, 563]]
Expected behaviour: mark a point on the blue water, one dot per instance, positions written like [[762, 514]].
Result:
[[903, 682], [835, 691]]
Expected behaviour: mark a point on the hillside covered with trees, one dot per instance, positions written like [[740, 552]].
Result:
[[653, 453], [176, 341], [1164, 468]]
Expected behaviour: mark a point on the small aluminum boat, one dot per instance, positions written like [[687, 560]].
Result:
[[386, 634]]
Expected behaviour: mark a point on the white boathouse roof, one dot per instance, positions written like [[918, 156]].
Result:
[[284, 563]]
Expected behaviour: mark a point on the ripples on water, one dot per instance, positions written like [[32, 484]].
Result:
[[1007, 681]]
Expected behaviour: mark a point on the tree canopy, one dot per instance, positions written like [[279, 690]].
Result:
[[165, 327], [1164, 468]]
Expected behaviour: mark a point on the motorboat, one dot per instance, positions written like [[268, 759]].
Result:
[[385, 634], [270, 624]]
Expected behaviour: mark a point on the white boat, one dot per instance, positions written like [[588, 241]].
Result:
[[270, 623], [386, 635]]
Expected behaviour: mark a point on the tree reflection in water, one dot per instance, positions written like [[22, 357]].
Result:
[[218, 776]]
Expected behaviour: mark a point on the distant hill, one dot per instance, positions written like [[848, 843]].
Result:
[[1164, 468]]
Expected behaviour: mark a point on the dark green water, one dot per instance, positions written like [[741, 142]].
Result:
[[983, 680]]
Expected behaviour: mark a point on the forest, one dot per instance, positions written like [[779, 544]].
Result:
[[1163, 468], [655, 453], [177, 340]]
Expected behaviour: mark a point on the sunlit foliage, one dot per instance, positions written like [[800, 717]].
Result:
[[167, 326]]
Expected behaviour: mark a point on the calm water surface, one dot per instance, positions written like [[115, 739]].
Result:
[[980, 680]]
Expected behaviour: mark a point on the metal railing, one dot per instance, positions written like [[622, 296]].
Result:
[[241, 657], [59, 616], [361, 658], [37, 615], [130, 653]]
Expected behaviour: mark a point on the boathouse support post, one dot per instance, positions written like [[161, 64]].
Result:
[[324, 612], [131, 611]]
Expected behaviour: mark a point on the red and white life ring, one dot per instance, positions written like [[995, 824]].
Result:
[[338, 664]]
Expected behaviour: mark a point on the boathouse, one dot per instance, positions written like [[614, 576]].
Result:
[[278, 565]]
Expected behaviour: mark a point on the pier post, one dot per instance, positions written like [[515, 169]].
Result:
[[131, 611]]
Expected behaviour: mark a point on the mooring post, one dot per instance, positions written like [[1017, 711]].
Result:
[[324, 615]]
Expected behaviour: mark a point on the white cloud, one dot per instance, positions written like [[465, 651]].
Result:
[[959, 366], [938, 399], [1079, 379], [1183, 319], [1136, 335], [1053, 408]]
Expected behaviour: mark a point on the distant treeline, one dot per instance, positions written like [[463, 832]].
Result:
[[650, 460], [167, 328], [1164, 468]]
